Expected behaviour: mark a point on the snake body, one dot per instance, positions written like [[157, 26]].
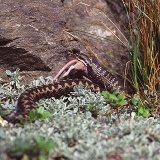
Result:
[[101, 80], [99, 75], [29, 97]]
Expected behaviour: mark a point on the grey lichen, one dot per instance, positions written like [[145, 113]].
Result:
[[79, 135]]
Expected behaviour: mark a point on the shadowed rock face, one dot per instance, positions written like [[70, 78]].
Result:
[[32, 35]]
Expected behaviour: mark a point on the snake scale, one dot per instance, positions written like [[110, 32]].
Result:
[[100, 80]]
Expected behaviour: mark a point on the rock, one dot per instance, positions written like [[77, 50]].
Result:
[[35, 35]]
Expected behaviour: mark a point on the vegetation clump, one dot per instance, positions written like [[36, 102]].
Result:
[[83, 125]]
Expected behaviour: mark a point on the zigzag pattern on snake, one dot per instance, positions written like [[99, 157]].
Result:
[[101, 80], [29, 97]]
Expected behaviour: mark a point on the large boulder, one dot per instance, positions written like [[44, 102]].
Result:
[[35, 35]]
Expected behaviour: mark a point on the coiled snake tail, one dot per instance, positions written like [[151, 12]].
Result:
[[29, 97]]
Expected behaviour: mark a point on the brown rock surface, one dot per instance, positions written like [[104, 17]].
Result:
[[36, 34]]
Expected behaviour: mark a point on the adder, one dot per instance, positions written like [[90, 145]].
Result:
[[99, 80]]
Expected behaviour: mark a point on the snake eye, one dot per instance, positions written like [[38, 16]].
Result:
[[84, 59]]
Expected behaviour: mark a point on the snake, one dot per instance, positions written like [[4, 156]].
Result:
[[100, 80]]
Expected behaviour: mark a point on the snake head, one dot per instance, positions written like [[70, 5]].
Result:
[[82, 57]]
